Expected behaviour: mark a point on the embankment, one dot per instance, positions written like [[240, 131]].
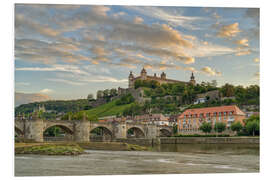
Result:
[[192, 140]]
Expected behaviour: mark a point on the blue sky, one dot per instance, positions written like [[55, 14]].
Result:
[[70, 51]]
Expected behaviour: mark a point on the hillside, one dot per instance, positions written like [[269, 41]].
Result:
[[57, 106], [108, 109]]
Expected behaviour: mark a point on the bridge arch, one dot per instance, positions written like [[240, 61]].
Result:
[[100, 133], [64, 133], [164, 132], [135, 132]]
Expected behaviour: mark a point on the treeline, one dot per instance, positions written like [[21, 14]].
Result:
[[59, 106]]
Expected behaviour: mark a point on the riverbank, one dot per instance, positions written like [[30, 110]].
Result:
[[192, 140], [72, 148], [210, 140]]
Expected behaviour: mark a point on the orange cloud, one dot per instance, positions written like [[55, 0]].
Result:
[[229, 31]]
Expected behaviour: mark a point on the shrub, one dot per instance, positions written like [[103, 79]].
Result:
[[206, 127], [220, 127], [236, 126]]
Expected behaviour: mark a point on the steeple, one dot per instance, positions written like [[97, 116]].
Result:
[[130, 75], [192, 79], [130, 80], [192, 76], [143, 71], [163, 75], [143, 74]]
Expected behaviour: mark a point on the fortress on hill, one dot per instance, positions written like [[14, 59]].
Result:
[[162, 79]]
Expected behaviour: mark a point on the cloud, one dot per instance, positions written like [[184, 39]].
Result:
[[229, 31], [76, 83], [103, 79], [61, 68], [138, 20], [242, 42], [209, 71], [100, 10], [169, 15], [256, 60], [22, 83], [46, 91], [243, 52]]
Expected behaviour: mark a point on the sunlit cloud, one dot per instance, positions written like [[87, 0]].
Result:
[[46, 91], [242, 42], [209, 71], [256, 60], [229, 31]]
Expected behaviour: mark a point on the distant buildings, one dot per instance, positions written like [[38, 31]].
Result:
[[191, 119], [158, 119]]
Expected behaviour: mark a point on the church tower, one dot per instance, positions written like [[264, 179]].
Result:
[[192, 79], [163, 75], [143, 74], [130, 80]]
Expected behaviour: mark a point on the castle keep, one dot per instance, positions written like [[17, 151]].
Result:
[[162, 79]]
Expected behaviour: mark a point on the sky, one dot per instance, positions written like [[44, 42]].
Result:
[[69, 51]]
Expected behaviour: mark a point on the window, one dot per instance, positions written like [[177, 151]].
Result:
[[201, 115], [215, 113], [207, 114], [225, 113], [219, 114]]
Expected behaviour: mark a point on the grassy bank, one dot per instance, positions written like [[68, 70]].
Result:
[[48, 149], [62, 148], [112, 146]]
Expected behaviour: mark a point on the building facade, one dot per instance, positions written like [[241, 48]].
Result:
[[190, 120], [162, 79]]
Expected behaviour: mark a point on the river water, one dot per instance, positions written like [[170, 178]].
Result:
[[164, 159]]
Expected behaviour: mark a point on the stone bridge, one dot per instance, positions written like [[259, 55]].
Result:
[[80, 130]]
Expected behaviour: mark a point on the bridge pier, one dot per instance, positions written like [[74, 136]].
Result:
[[81, 131], [151, 131], [120, 131], [34, 129]]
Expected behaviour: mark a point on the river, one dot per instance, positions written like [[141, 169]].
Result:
[[164, 159]]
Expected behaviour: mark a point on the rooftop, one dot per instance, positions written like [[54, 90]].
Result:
[[212, 110]]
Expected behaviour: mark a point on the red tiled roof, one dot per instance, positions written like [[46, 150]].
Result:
[[212, 110]]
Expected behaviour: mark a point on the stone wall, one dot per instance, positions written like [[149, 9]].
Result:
[[210, 140]]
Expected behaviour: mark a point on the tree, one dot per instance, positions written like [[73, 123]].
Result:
[[252, 127], [206, 127], [236, 126], [106, 93], [227, 90], [214, 83], [220, 127], [90, 97], [174, 129], [99, 94], [113, 92]]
